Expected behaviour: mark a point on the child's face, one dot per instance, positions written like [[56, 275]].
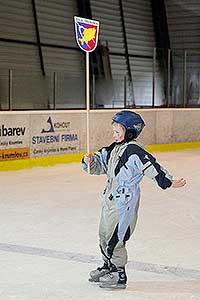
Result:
[[118, 132]]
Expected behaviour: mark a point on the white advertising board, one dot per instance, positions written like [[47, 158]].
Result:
[[53, 134], [14, 137]]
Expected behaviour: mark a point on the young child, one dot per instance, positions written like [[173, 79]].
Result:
[[125, 162]]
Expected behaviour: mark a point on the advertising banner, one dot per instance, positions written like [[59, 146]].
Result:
[[53, 134], [14, 137]]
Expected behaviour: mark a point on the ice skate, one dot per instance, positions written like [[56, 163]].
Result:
[[116, 280], [95, 275]]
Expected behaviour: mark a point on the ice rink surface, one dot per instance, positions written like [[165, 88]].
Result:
[[49, 235]]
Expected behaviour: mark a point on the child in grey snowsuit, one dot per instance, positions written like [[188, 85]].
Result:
[[125, 162]]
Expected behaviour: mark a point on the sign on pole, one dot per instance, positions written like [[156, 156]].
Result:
[[87, 32]]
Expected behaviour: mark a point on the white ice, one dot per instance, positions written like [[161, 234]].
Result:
[[49, 235]]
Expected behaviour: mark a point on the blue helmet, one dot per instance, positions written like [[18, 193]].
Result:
[[131, 121]]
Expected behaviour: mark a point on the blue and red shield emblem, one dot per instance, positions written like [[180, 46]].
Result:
[[86, 33]]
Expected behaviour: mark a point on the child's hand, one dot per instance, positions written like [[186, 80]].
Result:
[[177, 183], [88, 158]]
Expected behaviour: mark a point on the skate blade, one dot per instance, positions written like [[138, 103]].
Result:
[[107, 285]]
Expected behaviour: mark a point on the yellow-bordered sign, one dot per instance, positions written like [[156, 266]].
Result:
[[14, 154]]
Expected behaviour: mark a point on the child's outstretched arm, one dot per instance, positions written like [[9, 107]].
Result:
[[148, 166], [97, 161], [94, 163], [88, 158], [177, 183]]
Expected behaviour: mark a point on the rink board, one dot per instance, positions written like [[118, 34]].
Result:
[[77, 157], [42, 138]]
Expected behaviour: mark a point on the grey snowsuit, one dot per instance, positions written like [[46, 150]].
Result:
[[125, 164]]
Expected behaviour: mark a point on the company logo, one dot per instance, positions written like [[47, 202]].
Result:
[[11, 131], [52, 127], [138, 126], [86, 33]]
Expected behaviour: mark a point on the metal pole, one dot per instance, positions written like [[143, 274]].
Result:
[[199, 85], [54, 89], [93, 91], [154, 74], [185, 79], [125, 104], [126, 52], [88, 105], [38, 37], [10, 91], [168, 77]]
